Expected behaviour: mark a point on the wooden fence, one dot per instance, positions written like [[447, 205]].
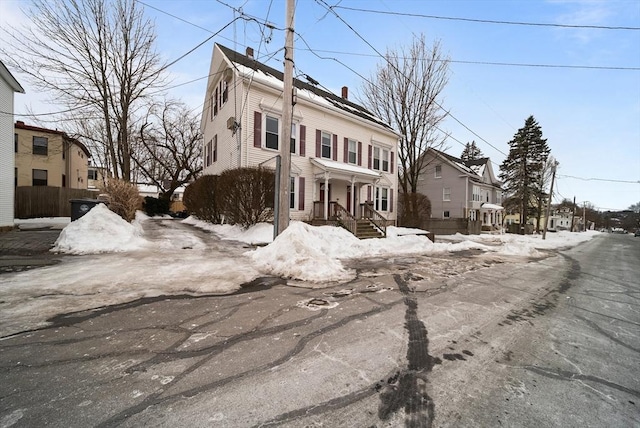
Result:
[[46, 201]]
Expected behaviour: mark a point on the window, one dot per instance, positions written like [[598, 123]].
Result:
[[381, 202], [15, 141], [214, 154], [385, 160], [207, 154], [225, 91], [445, 214], [326, 145], [476, 194], [92, 174], [292, 193], [438, 171], [446, 193], [40, 146], [294, 139], [376, 158], [64, 180], [215, 105], [272, 133], [39, 177], [352, 156]]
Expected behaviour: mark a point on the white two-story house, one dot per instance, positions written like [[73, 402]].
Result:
[[461, 189], [342, 156]]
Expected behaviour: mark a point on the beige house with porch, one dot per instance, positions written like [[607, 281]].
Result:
[[343, 158]]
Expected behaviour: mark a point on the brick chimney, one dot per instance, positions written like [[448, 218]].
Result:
[[249, 52], [345, 92]]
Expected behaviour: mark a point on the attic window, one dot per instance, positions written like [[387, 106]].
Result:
[[438, 171]]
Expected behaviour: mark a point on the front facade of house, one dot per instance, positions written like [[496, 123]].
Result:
[[340, 154], [8, 87], [462, 190], [46, 157]]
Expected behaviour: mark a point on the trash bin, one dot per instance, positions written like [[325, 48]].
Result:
[[80, 207]]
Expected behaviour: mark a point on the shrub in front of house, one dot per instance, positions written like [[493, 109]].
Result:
[[123, 198], [200, 199], [246, 195]]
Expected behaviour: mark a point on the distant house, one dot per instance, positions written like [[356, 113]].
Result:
[[8, 86], [343, 158], [47, 157], [560, 219], [96, 176], [462, 190]]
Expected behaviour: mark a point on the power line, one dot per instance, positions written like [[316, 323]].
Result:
[[507, 64], [323, 3], [601, 179], [486, 21]]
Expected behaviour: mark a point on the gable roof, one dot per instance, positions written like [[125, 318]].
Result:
[[475, 168], [8, 77], [240, 61]]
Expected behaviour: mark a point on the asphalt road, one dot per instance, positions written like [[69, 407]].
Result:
[[467, 339]]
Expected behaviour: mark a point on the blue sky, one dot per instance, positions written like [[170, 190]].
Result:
[[590, 116]]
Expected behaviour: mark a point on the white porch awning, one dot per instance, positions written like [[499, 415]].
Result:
[[486, 206], [345, 171]]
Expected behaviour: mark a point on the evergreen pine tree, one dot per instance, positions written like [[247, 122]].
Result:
[[471, 152], [521, 171]]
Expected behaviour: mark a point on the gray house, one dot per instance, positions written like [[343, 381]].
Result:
[[465, 197]]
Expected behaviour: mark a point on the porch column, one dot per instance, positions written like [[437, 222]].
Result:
[[326, 197], [353, 196]]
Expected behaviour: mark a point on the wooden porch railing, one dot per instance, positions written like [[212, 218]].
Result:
[[338, 215], [374, 217]]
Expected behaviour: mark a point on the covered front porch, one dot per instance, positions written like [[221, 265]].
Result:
[[342, 195], [491, 216]]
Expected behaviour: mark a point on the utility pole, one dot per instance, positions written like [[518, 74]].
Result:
[[546, 217], [287, 117], [584, 217], [573, 212]]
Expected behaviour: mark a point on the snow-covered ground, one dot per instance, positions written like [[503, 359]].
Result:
[[117, 262]]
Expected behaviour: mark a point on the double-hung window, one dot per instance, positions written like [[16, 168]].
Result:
[[381, 201], [446, 193], [326, 145], [438, 173], [272, 132], [380, 159], [352, 155], [294, 138], [39, 177], [292, 193], [40, 146]]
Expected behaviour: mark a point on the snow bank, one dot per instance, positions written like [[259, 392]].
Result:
[[99, 231], [261, 233], [307, 253]]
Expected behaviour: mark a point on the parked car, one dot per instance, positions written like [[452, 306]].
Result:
[[637, 233]]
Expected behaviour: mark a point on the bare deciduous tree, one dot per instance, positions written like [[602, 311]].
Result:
[[168, 151], [96, 58], [405, 92]]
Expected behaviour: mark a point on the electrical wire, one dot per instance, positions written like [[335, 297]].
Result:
[[486, 21], [600, 179]]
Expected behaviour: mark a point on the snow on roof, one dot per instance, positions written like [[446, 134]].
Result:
[[251, 68], [343, 167]]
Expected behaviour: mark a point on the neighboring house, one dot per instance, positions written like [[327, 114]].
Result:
[[560, 219], [47, 157], [154, 191], [462, 190], [8, 86], [343, 158], [96, 176]]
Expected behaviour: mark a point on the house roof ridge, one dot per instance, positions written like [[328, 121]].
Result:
[[334, 99]]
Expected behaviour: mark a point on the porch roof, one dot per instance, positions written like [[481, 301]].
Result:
[[345, 170], [486, 206]]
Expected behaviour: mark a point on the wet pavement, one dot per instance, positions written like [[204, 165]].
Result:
[[27, 249]]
